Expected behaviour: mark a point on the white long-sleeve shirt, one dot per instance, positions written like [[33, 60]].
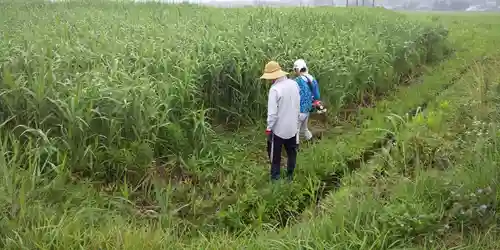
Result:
[[283, 108]]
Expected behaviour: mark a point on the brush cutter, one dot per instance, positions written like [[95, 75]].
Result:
[[318, 107]]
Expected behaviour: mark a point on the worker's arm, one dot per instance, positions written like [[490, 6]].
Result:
[[272, 108], [315, 90]]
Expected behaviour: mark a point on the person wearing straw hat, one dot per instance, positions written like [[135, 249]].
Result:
[[283, 108]]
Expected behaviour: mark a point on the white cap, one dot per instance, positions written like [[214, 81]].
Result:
[[300, 64]]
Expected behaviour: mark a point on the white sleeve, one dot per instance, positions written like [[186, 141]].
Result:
[[272, 108]]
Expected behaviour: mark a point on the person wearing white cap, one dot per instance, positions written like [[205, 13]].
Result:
[[309, 97], [283, 109]]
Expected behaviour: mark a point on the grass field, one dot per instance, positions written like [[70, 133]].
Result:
[[138, 127]]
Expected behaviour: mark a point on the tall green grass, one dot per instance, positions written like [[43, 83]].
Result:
[[112, 89], [99, 99], [421, 210], [121, 94]]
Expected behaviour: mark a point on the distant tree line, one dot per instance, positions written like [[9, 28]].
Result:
[[452, 5]]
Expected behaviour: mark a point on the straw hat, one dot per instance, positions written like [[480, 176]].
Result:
[[272, 71]]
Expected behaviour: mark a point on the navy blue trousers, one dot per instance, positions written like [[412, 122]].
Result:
[[274, 146]]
